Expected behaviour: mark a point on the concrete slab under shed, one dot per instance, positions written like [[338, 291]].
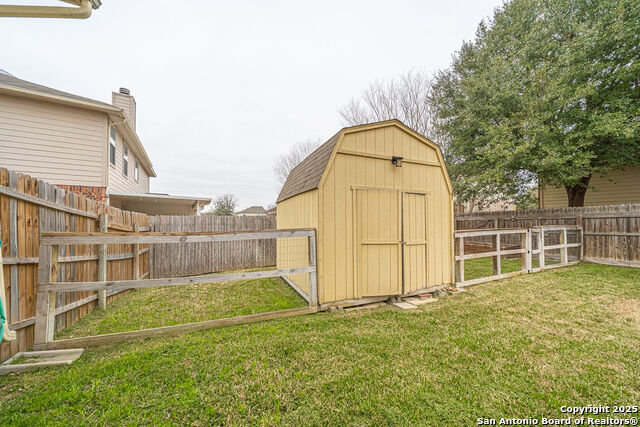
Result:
[[404, 305], [420, 301]]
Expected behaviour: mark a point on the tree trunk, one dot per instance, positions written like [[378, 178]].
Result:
[[576, 194]]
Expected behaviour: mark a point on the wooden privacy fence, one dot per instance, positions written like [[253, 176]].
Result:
[[29, 206], [611, 233], [533, 244], [50, 286], [185, 259]]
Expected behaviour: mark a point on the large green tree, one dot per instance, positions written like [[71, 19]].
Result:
[[549, 89]]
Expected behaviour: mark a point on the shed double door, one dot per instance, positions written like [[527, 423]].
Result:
[[391, 242]]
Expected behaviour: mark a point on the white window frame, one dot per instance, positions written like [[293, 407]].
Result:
[[136, 170], [112, 146], [125, 160]]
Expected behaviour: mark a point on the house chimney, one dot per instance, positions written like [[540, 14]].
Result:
[[123, 99]]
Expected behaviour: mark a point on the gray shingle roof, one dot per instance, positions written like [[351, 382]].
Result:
[[10, 80], [306, 176], [254, 210]]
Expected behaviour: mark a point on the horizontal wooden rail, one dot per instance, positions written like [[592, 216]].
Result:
[[491, 254], [491, 217], [612, 215], [616, 262], [612, 234], [76, 304], [488, 232], [64, 238], [172, 281], [172, 330], [22, 323], [562, 246], [19, 260], [67, 259], [126, 227], [51, 205], [558, 228]]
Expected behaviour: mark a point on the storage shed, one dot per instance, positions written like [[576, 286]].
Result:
[[380, 198]]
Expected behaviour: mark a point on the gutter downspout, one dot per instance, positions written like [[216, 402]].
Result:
[[82, 12]]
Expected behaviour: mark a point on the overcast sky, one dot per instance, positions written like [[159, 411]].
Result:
[[222, 88]]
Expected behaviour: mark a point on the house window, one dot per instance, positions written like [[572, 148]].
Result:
[[125, 160], [112, 145], [136, 171]]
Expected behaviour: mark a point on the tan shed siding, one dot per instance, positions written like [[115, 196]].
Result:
[[300, 211], [614, 188], [126, 184], [336, 243], [56, 143]]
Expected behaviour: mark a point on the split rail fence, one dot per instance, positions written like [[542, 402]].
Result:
[[611, 233], [29, 206], [50, 286], [533, 245]]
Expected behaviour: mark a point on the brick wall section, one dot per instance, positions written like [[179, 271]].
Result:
[[94, 193]]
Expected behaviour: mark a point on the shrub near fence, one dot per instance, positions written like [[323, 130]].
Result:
[[29, 206], [188, 259], [611, 233]]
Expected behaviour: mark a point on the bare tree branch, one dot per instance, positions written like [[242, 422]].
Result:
[[409, 99], [285, 162]]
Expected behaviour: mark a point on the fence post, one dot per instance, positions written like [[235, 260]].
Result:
[[524, 244], [102, 261], [313, 275], [541, 248], [580, 223], [136, 254], [564, 250], [461, 262], [46, 301], [497, 260], [529, 248]]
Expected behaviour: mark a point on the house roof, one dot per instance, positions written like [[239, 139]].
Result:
[[19, 87], [10, 80], [253, 210], [306, 176], [157, 203], [160, 196]]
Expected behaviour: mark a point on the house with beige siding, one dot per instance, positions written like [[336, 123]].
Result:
[[82, 145], [614, 188]]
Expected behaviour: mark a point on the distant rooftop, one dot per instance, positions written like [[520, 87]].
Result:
[[253, 210]]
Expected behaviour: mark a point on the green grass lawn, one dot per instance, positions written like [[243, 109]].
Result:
[[521, 347], [173, 305]]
